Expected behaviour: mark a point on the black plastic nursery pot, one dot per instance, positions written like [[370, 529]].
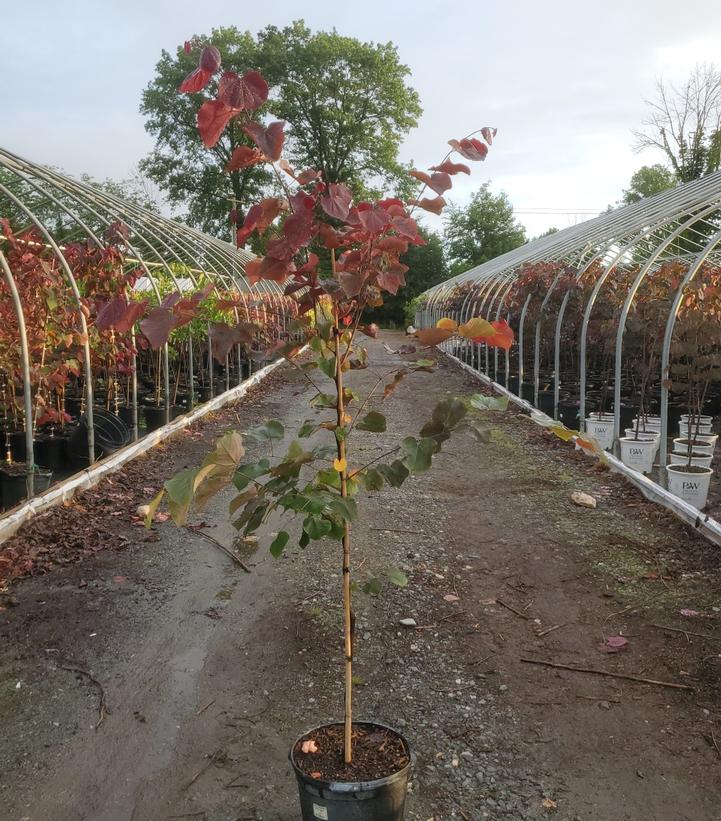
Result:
[[110, 433], [126, 414], [18, 446], [383, 799], [154, 416], [49, 451], [545, 402], [14, 483], [568, 413]]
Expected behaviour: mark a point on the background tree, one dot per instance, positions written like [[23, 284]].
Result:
[[546, 233], [647, 181], [426, 267], [135, 190], [348, 103], [685, 123], [482, 230], [191, 176]]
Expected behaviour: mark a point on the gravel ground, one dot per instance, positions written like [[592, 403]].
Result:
[[209, 673]]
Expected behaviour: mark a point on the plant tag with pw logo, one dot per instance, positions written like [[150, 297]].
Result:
[[320, 812]]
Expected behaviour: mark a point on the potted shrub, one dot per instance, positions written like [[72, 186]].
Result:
[[645, 327], [50, 323], [318, 481], [694, 367]]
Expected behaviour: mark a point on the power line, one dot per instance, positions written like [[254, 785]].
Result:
[[563, 211]]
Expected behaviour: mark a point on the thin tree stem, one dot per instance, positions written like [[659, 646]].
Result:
[[347, 608]]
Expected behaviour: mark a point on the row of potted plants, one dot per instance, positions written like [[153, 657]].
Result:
[[694, 377], [126, 323]]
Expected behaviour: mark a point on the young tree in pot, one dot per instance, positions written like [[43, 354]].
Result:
[[642, 343], [363, 242], [51, 320], [695, 366]]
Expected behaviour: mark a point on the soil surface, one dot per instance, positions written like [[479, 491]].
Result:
[[146, 675]]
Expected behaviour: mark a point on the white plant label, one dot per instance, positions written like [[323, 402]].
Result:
[[320, 812]]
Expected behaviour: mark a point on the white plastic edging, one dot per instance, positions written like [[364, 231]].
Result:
[[702, 522], [85, 479]]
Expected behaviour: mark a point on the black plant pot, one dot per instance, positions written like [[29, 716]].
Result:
[[154, 416], [49, 452], [627, 415], [513, 384], [110, 434], [568, 413], [527, 392], [18, 448], [14, 483], [204, 393], [126, 414], [545, 402], [383, 799], [73, 404]]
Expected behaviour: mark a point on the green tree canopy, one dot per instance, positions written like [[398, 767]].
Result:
[[647, 181], [347, 105], [482, 230]]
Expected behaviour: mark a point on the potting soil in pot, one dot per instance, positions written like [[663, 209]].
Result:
[[377, 753]]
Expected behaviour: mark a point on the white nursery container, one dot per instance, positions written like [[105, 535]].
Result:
[[601, 430], [639, 453], [700, 460], [691, 487], [704, 429], [645, 434], [699, 445]]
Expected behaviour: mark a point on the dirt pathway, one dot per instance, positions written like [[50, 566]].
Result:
[[209, 672]]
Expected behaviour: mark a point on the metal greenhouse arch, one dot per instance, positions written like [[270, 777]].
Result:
[[616, 316], [83, 273]]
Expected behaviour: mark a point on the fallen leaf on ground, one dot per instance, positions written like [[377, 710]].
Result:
[[548, 804], [450, 597], [613, 644]]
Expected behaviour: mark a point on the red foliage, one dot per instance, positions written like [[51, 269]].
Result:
[[269, 140], [242, 157], [213, 116], [470, 148]]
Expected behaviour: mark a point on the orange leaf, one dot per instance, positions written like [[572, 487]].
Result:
[[447, 324], [433, 336], [476, 328], [435, 205], [500, 337]]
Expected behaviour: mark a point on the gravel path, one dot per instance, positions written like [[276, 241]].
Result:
[[209, 672]]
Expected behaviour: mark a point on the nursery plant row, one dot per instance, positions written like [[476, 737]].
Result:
[[96, 349], [628, 355]]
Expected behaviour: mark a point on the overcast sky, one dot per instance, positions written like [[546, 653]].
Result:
[[564, 82]]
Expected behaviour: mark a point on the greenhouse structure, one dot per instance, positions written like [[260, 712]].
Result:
[[617, 324], [115, 320]]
